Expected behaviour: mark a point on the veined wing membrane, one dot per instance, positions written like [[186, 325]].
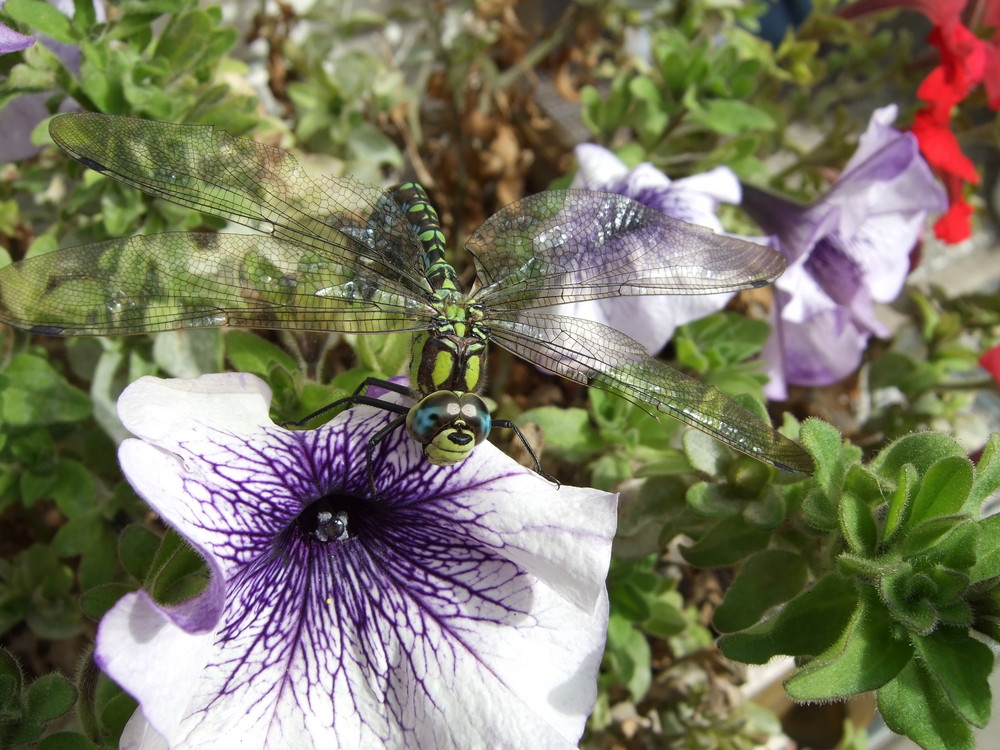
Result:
[[167, 281], [603, 357], [574, 245], [249, 183]]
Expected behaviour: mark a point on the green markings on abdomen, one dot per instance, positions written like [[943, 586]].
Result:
[[412, 198]]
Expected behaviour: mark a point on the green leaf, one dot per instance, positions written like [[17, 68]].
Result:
[[726, 543], [96, 601], [919, 449], [36, 394], [84, 15], [248, 352], [987, 549], [987, 479], [732, 116], [630, 602], [628, 650], [926, 536], [900, 503], [833, 458], [806, 626], [178, 572], [49, 697], [42, 18], [77, 535], [189, 353], [66, 741], [943, 490], [665, 619], [768, 578], [857, 524], [568, 431], [137, 548], [961, 665], [865, 657], [915, 706], [712, 500], [705, 453], [73, 489]]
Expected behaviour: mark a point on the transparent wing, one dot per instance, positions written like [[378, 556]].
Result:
[[189, 279], [261, 187], [573, 245], [599, 356]]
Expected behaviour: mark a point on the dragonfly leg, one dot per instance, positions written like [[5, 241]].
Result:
[[507, 424], [374, 440], [356, 399]]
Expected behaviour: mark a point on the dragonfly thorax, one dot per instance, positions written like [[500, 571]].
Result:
[[449, 357], [448, 425]]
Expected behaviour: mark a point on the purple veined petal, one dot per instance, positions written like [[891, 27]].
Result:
[[842, 280], [800, 294], [796, 228], [693, 199], [881, 248], [466, 609], [652, 320]]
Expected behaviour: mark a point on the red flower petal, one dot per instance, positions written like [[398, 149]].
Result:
[[940, 147], [990, 361], [954, 224]]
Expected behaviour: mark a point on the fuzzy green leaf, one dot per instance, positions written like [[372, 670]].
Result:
[[943, 489], [857, 524], [726, 543], [806, 626], [768, 578], [248, 352], [915, 706], [919, 449], [865, 657], [137, 547], [987, 549], [49, 697], [901, 503], [961, 665], [36, 394], [66, 741], [987, 479]]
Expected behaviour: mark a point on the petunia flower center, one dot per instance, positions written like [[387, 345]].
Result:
[[332, 518]]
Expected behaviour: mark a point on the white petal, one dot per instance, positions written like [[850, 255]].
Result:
[[597, 166]]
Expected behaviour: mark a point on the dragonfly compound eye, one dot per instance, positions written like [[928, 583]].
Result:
[[448, 425]]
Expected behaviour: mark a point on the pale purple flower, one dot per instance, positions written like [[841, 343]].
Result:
[[845, 252], [651, 320], [21, 115], [465, 608], [12, 41]]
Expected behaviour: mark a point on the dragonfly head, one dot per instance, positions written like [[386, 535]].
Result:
[[448, 425]]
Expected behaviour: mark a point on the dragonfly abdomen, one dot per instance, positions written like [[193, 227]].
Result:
[[411, 197]]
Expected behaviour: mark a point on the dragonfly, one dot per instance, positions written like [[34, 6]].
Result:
[[335, 254]]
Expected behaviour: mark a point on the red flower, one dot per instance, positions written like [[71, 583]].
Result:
[[990, 361], [966, 62]]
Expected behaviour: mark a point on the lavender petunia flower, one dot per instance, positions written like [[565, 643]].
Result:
[[651, 320], [845, 252], [21, 115], [466, 608], [12, 41]]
